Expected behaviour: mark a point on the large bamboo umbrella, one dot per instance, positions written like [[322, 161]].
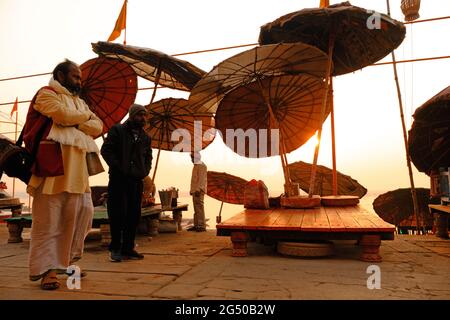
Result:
[[397, 207], [168, 117], [109, 87], [355, 44], [251, 69], [301, 174], [225, 188], [153, 65], [251, 65], [345, 33], [290, 103], [429, 137]]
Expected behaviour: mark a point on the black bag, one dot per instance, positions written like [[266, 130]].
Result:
[[15, 161]]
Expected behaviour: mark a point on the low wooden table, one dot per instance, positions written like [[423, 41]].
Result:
[[324, 223], [100, 220], [441, 215]]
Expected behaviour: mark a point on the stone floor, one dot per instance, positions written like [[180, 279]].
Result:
[[188, 265]]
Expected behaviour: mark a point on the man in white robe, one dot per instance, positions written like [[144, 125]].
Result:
[[62, 205]]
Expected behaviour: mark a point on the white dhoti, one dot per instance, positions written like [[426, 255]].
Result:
[[61, 223]]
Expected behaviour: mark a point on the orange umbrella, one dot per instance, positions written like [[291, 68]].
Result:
[[168, 116], [251, 65], [295, 101], [429, 137], [357, 43], [109, 87], [301, 174], [396, 207], [353, 37], [153, 65], [226, 188]]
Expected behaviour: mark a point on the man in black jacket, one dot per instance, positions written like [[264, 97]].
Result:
[[128, 153]]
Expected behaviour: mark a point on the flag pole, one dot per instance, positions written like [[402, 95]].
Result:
[[15, 140], [125, 29]]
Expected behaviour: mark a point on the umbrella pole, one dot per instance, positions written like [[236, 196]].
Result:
[[156, 165], [283, 158], [333, 140], [158, 75], [219, 217], [405, 138], [324, 104]]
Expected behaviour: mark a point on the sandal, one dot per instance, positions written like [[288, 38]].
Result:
[[50, 281]]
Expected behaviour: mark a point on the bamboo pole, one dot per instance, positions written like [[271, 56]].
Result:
[[333, 139], [283, 157], [405, 137], [324, 104], [158, 75], [219, 217]]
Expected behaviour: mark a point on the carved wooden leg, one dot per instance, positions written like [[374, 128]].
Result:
[[177, 216], [370, 248], [105, 233], [239, 240], [15, 232], [441, 223], [16, 212]]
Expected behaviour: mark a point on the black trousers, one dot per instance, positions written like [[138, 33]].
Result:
[[124, 211]]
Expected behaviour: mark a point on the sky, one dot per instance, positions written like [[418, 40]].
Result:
[[38, 34]]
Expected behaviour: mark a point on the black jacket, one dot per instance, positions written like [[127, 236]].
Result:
[[126, 156]]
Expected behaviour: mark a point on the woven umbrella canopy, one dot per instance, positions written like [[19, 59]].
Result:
[[173, 116], [251, 65], [225, 188], [429, 137], [153, 65], [301, 174], [353, 37], [396, 207], [109, 87], [355, 44], [295, 102], [253, 73]]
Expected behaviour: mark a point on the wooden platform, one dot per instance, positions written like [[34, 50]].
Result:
[[100, 220], [324, 223]]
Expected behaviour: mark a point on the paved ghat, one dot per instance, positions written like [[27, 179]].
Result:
[[188, 265]]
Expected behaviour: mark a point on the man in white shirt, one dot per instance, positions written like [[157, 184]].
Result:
[[198, 190]]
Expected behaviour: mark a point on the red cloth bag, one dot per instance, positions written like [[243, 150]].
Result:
[[48, 161]]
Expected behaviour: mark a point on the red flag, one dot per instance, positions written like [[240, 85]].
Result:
[[121, 23], [324, 3], [14, 108]]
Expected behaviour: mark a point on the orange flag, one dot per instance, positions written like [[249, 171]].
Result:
[[121, 23], [14, 108], [324, 3]]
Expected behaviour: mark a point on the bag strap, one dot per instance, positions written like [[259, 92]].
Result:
[[41, 131]]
